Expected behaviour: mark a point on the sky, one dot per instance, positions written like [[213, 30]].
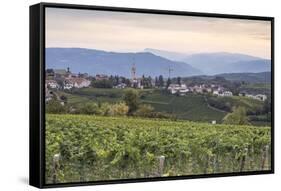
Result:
[[133, 32]]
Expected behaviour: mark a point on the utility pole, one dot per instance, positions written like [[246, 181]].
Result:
[[170, 70], [133, 70]]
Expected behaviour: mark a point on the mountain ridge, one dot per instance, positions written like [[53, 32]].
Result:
[[95, 61]]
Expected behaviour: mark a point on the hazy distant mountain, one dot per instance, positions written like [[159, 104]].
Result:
[[114, 63], [168, 54], [223, 62], [262, 77], [217, 62]]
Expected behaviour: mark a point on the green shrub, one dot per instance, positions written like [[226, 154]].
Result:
[[88, 108], [118, 109], [55, 106], [144, 110], [237, 117], [131, 98]]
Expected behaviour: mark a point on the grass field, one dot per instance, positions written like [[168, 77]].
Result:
[[190, 107], [235, 101], [258, 86]]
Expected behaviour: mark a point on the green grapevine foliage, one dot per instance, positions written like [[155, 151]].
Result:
[[95, 148]]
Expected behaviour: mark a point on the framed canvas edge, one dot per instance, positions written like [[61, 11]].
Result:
[[35, 96], [39, 104]]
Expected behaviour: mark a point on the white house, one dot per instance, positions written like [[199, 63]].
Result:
[[260, 97], [81, 83], [183, 87], [173, 86], [222, 93], [68, 85], [173, 91], [52, 84], [216, 92], [198, 89], [227, 93], [176, 88], [76, 83], [121, 86]]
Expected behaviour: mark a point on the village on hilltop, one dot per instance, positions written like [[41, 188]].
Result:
[[62, 79]]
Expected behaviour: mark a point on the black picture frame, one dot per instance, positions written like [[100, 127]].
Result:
[[37, 93]]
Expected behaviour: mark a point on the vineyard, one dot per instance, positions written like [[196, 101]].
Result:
[[90, 148]]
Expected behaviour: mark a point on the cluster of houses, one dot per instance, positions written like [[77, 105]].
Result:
[[63, 79], [222, 93], [67, 79], [260, 97], [216, 90], [182, 89]]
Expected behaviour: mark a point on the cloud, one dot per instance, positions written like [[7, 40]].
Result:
[[120, 31]]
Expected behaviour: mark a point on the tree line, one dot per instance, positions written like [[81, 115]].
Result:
[[145, 81]]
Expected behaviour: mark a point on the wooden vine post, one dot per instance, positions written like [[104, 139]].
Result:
[[55, 168], [161, 165], [243, 159], [264, 157]]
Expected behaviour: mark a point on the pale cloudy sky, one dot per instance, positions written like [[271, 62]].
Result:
[[122, 32]]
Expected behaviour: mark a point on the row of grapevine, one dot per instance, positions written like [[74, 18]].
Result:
[[89, 148]]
